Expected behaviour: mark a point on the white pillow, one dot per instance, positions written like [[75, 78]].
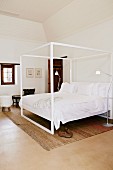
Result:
[[75, 84], [68, 88], [85, 89], [101, 89]]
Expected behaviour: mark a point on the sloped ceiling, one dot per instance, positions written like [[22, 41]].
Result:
[[78, 15], [60, 18], [35, 10]]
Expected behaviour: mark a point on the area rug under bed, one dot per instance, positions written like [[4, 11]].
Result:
[[81, 129]]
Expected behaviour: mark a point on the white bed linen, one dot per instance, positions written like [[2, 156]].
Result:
[[67, 107]]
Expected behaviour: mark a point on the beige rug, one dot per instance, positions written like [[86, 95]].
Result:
[[81, 129]]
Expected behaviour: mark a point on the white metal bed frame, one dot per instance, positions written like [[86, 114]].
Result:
[[52, 44]]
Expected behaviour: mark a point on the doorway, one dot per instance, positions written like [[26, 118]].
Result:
[[57, 78]]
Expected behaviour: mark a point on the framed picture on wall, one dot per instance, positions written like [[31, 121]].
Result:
[[29, 72], [38, 72]]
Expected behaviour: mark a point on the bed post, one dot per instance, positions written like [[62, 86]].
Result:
[[70, 70], [21, 83], [52, 97], [111, 112]]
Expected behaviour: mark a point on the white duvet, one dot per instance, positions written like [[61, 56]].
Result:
[[67, 106]]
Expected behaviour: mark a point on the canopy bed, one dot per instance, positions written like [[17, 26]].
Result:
[[75, 100]]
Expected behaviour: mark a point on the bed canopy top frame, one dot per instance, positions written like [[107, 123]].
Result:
[[52, 56]]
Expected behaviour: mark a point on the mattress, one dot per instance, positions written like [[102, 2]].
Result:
[[67, 106]]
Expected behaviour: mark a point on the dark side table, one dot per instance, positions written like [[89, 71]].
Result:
[[16, 99]]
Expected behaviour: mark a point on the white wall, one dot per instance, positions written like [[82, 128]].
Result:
[[40, 84], [10, 53], [84, 70], [11, 50], [21, 29], [101, 37], [17, 37]]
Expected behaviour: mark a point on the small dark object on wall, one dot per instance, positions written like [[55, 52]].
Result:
[[28, 91]]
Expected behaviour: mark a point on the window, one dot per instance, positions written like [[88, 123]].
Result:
[[7, 74]]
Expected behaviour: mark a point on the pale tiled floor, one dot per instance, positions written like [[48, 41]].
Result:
[[19, 152]]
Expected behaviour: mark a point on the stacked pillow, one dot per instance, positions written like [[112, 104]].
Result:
[[68, 88], [77, 88], [85, 88], [101, 89]]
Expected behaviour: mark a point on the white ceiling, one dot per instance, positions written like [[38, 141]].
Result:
[[35, 10], [77, 16], [59, 18]]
